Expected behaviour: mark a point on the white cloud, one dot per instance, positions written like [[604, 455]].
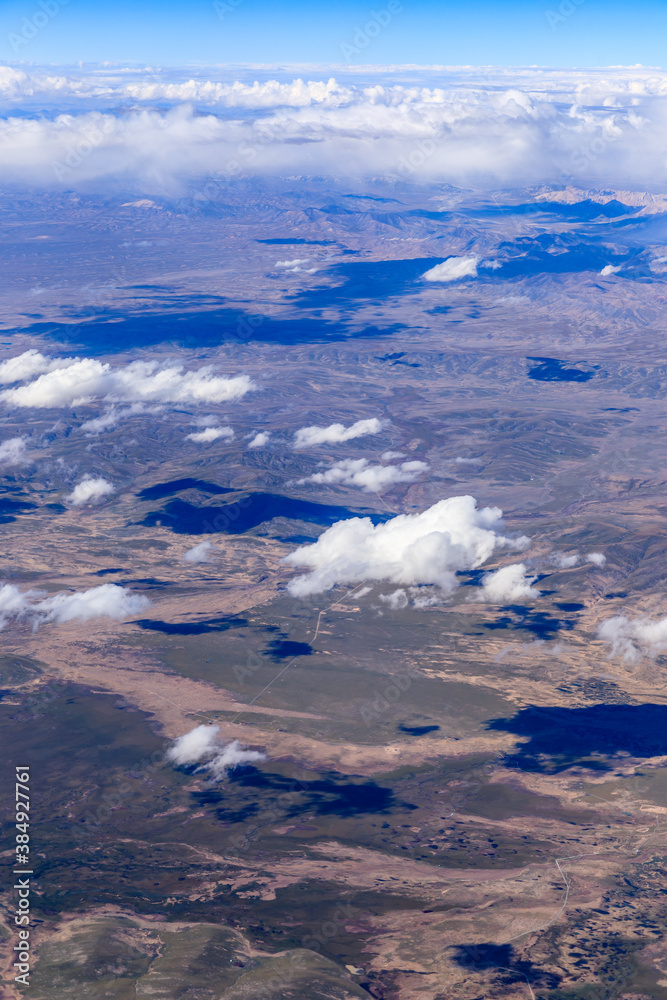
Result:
[[609, 269], [211, 434], [453, 269], [107, 601], [260, 439], [636, 638], [509, 583], [27, 365], [408, 550], [89, 490], [272, 93], [13, 603], [202, 746], [370, 478], [597, 558], [112, 416], [387, 456], [396, 600], [563, 561], [200, 553], [84, 380], [305, 437], [13, 451], [489, 129], [295, 267]]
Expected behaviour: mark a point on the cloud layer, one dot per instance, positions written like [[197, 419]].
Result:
[[482, 126], [411, 549]]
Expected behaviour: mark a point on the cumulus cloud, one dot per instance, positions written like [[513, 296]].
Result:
[[295, 266], [27, 365], [453, 269], [202, 746], [260, 439], [305, 437], [89, 490], [370, 478], [200, 553], [509, 583], [13, 603], [396, 600], [409, 549], [77, 381], [633, 639], [107, 601], [609, 269], [563, 561], [211, 434], [13, 451]]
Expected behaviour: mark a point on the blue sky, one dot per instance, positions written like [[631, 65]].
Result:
[[175, 32]]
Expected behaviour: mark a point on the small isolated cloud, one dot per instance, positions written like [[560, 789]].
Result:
[[508, 584], [633, 639], [13, 451], [202, 746], [396, 600], [260, 439], [211, 434], [610, 269], [296, 265], [453, 269], [563, 561], [13, 603], [370, 478], [335, 433], [80, 381], [89, 490], [107, 601], [200, 553], [410, 549]]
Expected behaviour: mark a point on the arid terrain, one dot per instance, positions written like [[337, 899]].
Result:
[[462, 795]]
